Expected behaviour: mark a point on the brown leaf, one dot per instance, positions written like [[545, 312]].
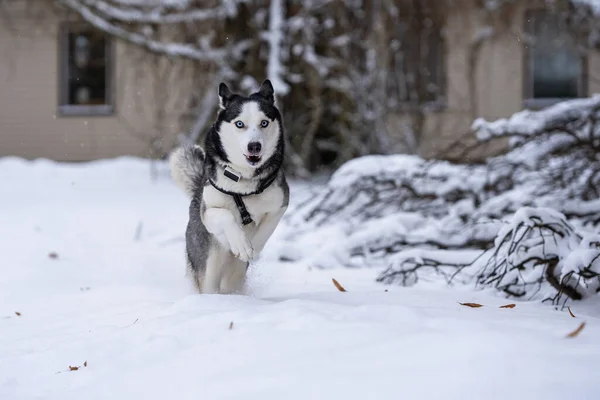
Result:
[[73, 368], [53, 255], [18, 313], [472, 305], [508, 306], [85, 363], [231, 325], [576, 331], [570, 312], [337, 285]]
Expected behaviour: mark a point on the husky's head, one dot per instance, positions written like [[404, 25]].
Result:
[[248, 128]]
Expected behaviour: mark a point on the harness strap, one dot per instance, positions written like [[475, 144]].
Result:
[[237, 197], [246, 218]]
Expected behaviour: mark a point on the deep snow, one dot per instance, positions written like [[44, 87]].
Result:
[[116, 297]]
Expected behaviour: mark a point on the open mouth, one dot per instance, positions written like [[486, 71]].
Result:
[[253, 160]]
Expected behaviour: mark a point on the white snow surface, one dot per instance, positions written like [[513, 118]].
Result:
[[116, 297]]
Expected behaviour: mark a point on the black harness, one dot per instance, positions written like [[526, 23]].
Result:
[[237, 197]]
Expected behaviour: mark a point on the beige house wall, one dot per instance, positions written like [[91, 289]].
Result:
[[146, 104]]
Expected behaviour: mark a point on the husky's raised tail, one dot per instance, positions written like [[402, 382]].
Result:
[[186, 164]]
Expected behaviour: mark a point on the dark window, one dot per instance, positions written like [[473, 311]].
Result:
[[555, 65], [86, 72]]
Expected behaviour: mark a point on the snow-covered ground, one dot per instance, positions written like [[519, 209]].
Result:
[[92, 260]]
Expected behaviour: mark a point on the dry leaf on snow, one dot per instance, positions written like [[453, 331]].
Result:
[[570, 312], [18, 313], [508, 306], [472, 305], [576, 331], [231, 325], [338, 286], [72, 368]]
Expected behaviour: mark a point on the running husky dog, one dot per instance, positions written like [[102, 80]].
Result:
[[237, 186]]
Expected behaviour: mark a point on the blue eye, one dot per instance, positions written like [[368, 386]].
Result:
[[239, 124], [264, 123]]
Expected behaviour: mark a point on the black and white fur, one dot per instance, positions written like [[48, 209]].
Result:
[[247, 138]]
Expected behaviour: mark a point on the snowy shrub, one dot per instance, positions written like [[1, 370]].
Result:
[[378, 205], [520, 223], [531, 256], [537, 255]]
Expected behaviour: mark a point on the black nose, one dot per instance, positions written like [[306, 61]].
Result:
[[254, 147]]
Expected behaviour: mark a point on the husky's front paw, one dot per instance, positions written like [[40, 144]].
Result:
[[240, 246]]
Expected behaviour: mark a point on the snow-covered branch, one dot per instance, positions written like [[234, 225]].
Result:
[[161, 12], [565, 116], [523, 223], [527, 255]]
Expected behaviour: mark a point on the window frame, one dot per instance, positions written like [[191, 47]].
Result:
[[538, 103], [73, 110]]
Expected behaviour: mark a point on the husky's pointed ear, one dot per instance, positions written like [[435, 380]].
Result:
[[224, 95], [266, 91]]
